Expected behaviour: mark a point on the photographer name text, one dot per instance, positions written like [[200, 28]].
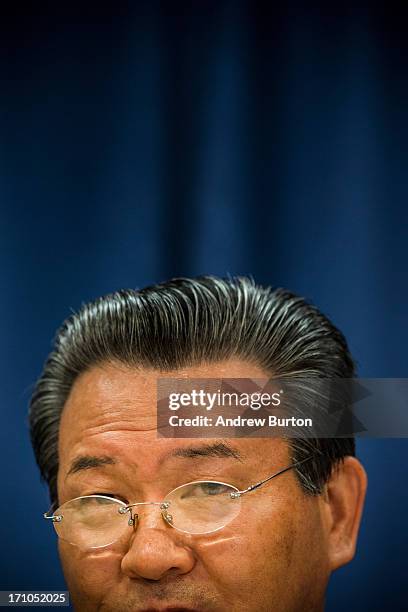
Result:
[[239, 421]]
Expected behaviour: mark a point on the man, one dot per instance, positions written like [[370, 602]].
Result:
[[93, 427]]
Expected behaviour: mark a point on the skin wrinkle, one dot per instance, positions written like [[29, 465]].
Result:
[[265, 559]]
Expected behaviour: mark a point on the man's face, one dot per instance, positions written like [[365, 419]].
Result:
[[272, 557]]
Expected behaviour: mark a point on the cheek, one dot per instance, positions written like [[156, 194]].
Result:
[[247, 560], [89, 576], [267, 558]]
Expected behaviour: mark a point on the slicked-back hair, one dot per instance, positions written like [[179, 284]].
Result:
[[185, 322]]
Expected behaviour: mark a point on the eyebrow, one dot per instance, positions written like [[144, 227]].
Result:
[[218, 449], [85, 462]]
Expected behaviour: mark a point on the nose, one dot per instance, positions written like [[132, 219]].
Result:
[[155, 549]]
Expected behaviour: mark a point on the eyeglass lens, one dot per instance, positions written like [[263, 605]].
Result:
[[195, 508]]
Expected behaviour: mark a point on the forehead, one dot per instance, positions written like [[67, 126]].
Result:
[[112, 409]]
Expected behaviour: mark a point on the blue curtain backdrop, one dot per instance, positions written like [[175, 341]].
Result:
[[141, 141]]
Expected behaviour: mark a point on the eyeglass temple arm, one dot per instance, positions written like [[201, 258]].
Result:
[[289, 467], [50, 513]]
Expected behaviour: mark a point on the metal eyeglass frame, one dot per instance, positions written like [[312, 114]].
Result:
[[164, 505]]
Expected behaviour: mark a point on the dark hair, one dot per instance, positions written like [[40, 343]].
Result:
[[188, 321]]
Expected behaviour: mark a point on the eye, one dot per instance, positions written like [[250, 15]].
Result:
[[112, 495], [204, 490], [213, 488]]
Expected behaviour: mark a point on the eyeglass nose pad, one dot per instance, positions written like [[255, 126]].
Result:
[[133, 520], [165, 514], [167, 517]]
